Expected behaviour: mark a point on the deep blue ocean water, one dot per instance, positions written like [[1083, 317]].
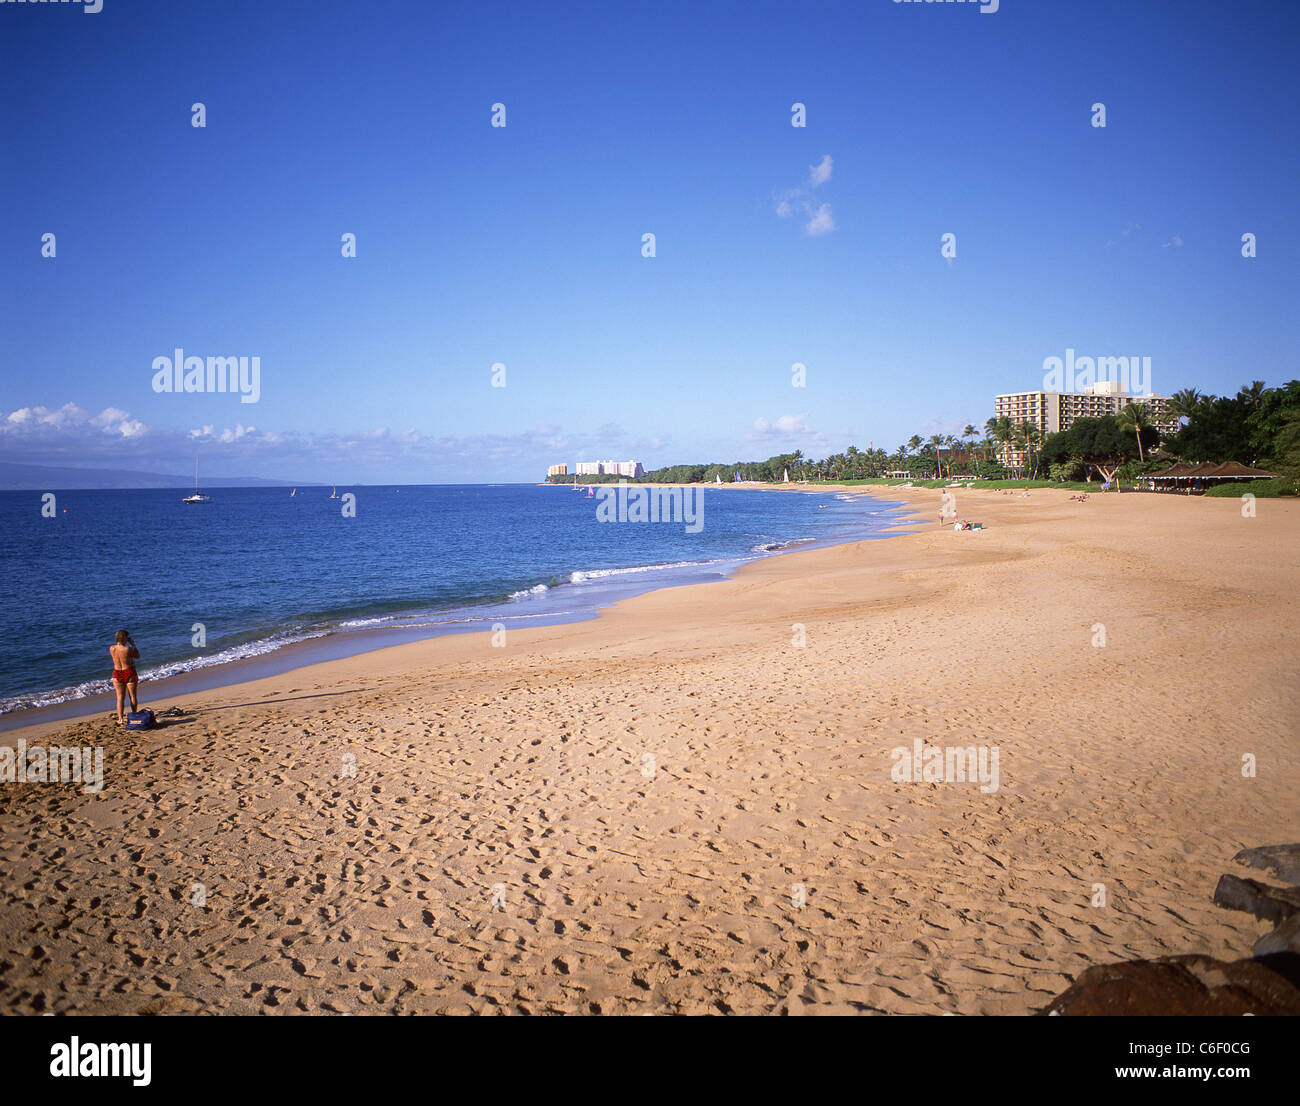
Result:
[[260, 569]]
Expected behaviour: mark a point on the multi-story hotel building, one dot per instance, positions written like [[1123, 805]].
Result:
[[558, 470], [631, 469], [1056, 411]]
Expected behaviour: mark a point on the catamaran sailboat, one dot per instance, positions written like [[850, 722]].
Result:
[[334, 493], [196, 497]]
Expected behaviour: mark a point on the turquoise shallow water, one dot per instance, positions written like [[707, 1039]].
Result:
[[256, 569]]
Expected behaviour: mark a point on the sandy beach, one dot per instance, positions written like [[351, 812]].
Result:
[[686, 805]]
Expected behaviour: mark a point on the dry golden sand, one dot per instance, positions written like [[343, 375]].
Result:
[[523, 767]]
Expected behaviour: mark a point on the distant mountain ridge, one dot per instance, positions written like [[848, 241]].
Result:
[[15, 477]]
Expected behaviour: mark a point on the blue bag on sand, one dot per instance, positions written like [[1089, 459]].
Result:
[[140, 720]]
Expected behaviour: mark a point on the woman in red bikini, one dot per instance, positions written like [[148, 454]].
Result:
[[124, 654]]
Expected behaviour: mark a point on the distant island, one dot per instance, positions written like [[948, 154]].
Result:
[[15, 477]]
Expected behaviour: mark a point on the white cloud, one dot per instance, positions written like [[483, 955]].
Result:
[[822, 221], [1176, 242], [802, 201], [44, 423], [784, 426], [68, 434], [67, 415], [208, 433], [109, 415]]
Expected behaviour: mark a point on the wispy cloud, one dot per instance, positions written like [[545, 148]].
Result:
[[1176, 242], [822, 221], [1129, 228], [820, 173], [802, 202]]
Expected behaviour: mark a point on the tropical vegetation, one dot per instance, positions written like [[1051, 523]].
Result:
[[1259, 427]]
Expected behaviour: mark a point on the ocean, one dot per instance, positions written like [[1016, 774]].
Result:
[[257, 570]]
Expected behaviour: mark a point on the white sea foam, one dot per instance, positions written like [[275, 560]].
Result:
[[779, 546], [602, 573], [173, 668], [426, 620]]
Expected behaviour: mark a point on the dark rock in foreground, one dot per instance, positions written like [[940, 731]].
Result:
[[1273, 904], [1189, 986], [1285, 939], [1282, 860]]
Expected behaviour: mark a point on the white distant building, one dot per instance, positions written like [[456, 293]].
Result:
[[630, 469]]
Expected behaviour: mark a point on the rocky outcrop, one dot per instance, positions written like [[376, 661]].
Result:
[[1273, 904], [1282, 860], [1200, 986], [1282, 941], [1188, 986]]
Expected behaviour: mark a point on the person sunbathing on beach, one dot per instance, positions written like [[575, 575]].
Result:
[[124, 654]]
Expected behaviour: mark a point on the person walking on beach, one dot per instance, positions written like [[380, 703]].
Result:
[[124, 654]]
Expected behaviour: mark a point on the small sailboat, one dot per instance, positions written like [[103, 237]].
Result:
[[717, 478], [293, 493], [334, 494], [196, 497], [590, 491], [786, 478]]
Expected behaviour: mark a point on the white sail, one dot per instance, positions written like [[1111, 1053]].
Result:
[[196, 497]]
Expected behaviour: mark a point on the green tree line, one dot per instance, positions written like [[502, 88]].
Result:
[[1259, 426]]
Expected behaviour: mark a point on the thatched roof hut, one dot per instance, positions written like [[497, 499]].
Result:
[[1192, 478], [1176, 471], [1233, 470]]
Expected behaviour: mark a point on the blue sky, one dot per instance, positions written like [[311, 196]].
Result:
[[522, 245]]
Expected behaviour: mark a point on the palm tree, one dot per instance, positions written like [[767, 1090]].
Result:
[[968, 436], [1252, 393], [1134, 417], [1028, 436], [1182, 405], [936, 443], [914, 442], [1001, 430]]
